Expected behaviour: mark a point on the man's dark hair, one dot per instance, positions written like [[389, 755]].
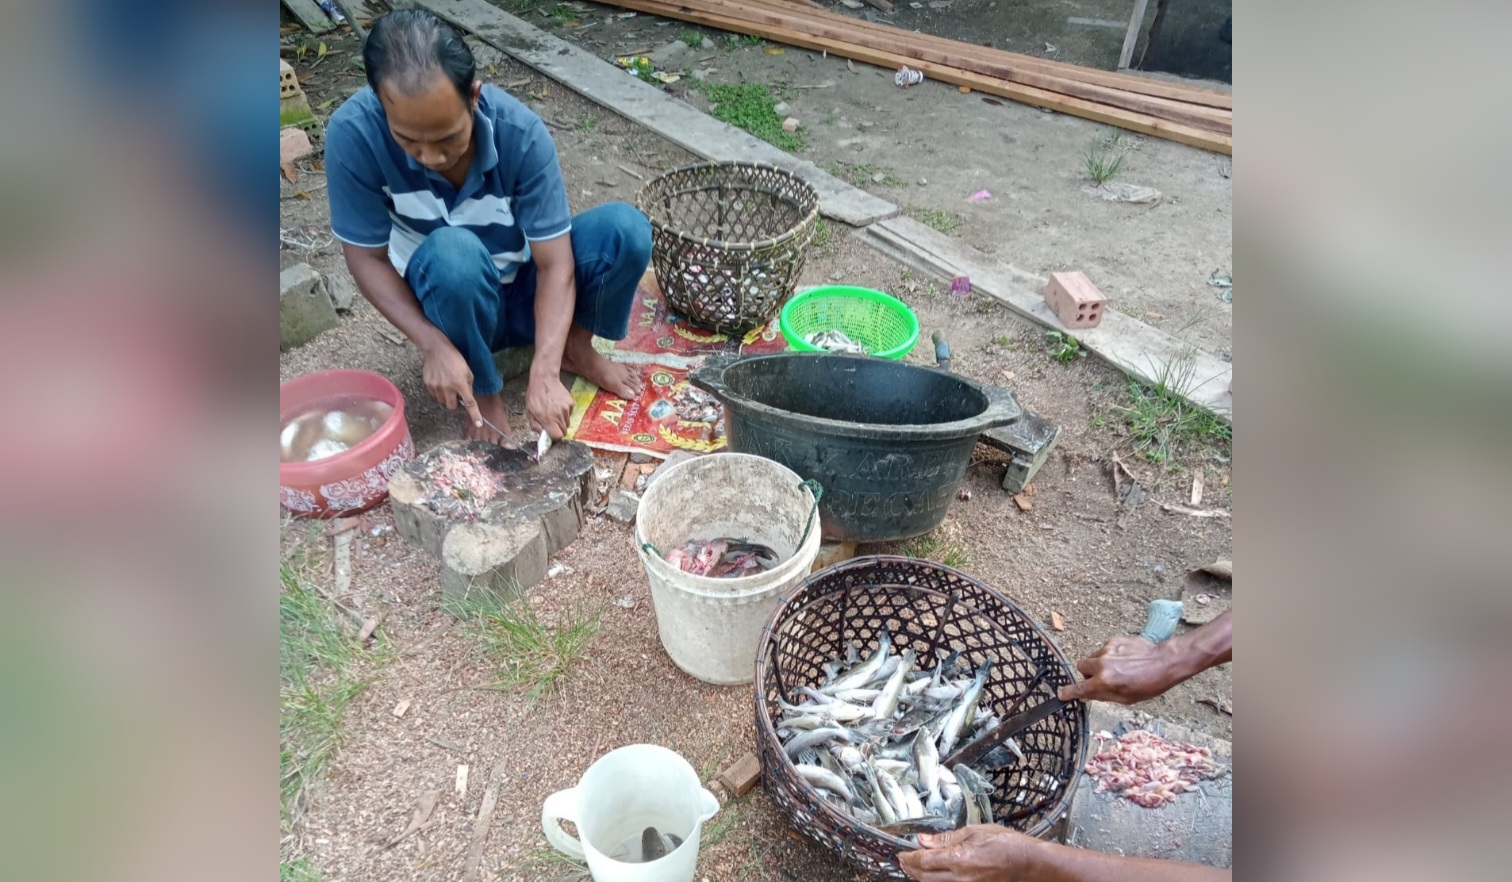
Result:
[[406, 47]]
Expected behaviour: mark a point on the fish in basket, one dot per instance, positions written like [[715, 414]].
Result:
[[873, 674]]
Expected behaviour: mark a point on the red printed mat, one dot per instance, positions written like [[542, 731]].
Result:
[[655, 327], [651, 423]]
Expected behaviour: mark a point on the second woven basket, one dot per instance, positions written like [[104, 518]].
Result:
[[728, 240]]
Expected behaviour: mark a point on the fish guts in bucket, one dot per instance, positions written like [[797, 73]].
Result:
[[638, 810]]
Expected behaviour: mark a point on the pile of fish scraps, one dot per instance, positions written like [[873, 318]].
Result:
[[1148, 770], [457, 485], [872, 737], [722, 558]]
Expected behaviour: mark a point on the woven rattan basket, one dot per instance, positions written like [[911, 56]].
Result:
[[932, 609], [728, 240]]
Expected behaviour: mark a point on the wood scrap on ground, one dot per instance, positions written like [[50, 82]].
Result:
[[423, 810], [471, 869]]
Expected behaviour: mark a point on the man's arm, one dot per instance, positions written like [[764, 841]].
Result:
[[446, 374], [990, 853], [547, 403]]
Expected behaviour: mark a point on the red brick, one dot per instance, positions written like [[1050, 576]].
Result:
[[1075, 300], [293, 144]]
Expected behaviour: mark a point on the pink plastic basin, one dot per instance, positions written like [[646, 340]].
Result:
[[356, 479]]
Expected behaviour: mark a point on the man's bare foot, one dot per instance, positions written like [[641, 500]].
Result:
[[492, 408], [623, 380]]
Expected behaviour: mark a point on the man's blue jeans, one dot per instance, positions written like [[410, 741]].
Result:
[[458, 286]]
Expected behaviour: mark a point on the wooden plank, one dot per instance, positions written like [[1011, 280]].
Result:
[[675, 120], [898, 37], [1132, 37], [1141, 351], [1216, 119], [310, 15], [1137, 122]]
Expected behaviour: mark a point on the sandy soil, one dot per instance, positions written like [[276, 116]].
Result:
[[1066, 555]]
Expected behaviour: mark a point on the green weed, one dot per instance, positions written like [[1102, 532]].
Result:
[[1163, 424], [693, 39], [1063, 347], [530, 653], [938, 219], [735, 41], [561, 13], [749, 106], [1105, 160], [586, 122]]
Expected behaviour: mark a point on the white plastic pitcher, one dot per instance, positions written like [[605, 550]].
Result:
[[622, 793]]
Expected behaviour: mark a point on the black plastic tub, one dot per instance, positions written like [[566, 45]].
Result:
[[889, 442]]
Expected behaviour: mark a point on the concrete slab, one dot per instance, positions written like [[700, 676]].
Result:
[[1197, 827], [1148, 354], [648, 106]]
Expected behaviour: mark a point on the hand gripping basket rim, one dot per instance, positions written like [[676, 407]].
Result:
[[641, 202]]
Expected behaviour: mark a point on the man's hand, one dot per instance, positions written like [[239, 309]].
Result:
[[1125, 670], [450, 380], [548, 405], [1131, 669], [980, 853]]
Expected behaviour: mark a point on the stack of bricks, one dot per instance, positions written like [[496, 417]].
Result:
[[1075, 300], [294, 107]]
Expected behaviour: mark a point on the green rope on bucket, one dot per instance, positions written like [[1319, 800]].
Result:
[[817, 491]]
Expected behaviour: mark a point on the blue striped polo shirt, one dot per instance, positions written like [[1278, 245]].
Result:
[[513, 193]]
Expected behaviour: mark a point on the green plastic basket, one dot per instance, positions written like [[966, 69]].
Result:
[[880, 322]]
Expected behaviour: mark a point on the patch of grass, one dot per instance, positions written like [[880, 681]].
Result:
[[1105, 160], [721, 824], [938, 219], [531, 654], [548, 863], [823, 233], [586, 122], [693, 39], [859, 175], [561, 13], [298, 870], [1063, 348], [830, 120], [735, 41], [317, 663], [1162, 424], [749, 106], [933, 547]]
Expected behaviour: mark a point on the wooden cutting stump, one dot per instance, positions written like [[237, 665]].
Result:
[[538, 511]]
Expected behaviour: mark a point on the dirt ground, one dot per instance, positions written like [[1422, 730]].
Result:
[[930, 147], [1066, 555]]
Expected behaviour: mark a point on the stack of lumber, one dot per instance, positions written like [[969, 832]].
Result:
[[1199, 117]]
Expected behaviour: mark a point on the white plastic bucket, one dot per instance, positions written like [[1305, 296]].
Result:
[[708, 626], [622, 793]]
